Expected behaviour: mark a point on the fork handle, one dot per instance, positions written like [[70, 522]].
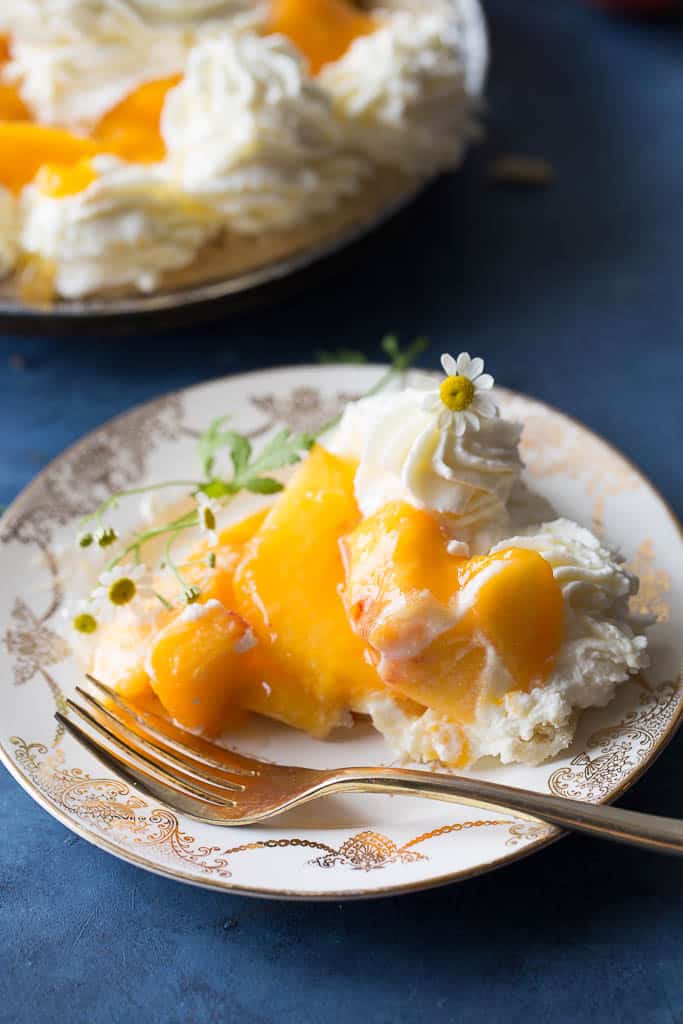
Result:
[[648, 831]]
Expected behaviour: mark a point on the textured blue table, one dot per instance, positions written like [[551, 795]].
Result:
[[574, 294]]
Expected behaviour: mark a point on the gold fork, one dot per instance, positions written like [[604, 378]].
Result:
[[225, 788]]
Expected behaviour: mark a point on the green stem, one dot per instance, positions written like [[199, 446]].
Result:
[[171, 564], [176, 526], [113, 499]]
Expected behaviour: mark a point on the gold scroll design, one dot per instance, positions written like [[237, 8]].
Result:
[[114, 810], [613, 754], [114, 457]]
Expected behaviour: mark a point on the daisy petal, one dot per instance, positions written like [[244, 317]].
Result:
[[460, 424], [445, 419], [462, 364], [484, 382], [472, 419], [476, 367], [449, 365], [484, 406]]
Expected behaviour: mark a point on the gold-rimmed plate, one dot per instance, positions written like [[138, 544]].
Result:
[[347, 846]]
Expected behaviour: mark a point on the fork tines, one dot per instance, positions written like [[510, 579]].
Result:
[[156, 755]]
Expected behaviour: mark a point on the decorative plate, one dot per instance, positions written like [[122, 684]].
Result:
[[344, 846]]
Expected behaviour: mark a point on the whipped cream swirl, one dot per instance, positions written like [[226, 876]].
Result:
[[74, 60], [404, 92], [603, 646], [403, 455], [127, 228], [253, 135]]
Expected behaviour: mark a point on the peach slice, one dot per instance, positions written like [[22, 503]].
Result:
[[287, 587], [399, 548], [12, 107], [196, 665], [25, 147], [120, 657], [400, 587], [60, 180], [521, 610], [322, 30], [131, 130], [217, 582]]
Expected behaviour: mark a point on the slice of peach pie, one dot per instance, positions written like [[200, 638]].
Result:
[[401, 574]]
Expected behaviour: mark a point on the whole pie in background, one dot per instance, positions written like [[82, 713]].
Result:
[[143, 140]]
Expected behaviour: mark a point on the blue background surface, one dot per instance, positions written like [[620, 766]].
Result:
[[574, 294]]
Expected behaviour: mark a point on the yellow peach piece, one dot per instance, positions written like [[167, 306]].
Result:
[[287, 587], [322, 30], [25, 147], [197, 664], [60, 180], [12, 107], [521, 610], [400, 579], [131, 129], [216, 581]]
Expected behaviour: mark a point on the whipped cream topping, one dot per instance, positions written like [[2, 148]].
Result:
[[74, 60], [403, 91], [403, 455], [592, 578], [9, 230], [602, 646], [406, 450], [195, 612], [253, 135], [127, 228], [601, 650]]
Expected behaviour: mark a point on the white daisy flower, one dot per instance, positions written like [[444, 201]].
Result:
[[207, 510], [124, 586], [82, 617], [462, 398]]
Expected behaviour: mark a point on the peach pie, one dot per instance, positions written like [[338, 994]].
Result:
[[133, 133], [403, 574]]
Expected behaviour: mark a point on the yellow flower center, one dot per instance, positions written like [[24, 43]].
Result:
[[457, 392], [85, 623], [122, 591]]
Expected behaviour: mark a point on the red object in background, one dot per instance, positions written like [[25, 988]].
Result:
[[640, 6]]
